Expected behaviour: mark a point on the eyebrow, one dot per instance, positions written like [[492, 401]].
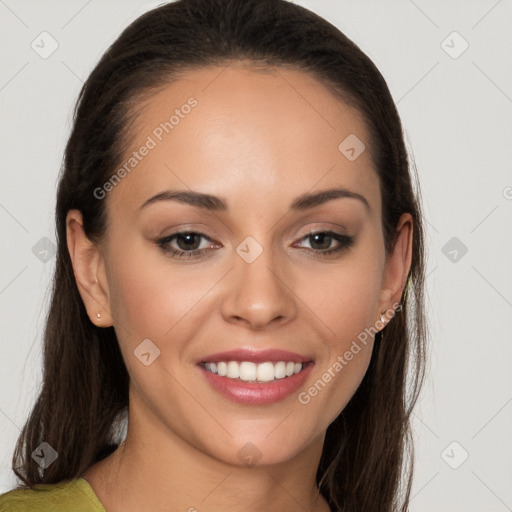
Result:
[[214, 203]]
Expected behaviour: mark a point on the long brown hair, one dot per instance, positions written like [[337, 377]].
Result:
[[366, 463]]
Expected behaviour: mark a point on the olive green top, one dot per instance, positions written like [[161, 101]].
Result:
[[68, 496]]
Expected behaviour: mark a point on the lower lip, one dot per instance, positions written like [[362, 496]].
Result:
[[257, 393]]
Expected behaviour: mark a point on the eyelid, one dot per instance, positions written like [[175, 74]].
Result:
[[344, 241], [183, 229], [173, 236], [321, 229]]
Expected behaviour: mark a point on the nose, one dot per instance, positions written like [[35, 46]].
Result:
[[258, 293]]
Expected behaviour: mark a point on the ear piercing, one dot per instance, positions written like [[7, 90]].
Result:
[[98, 315], [383, 318]]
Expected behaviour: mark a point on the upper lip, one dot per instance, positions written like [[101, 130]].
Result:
[[256, 356]]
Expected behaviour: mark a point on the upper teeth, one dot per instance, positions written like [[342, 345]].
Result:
[[247, 370]]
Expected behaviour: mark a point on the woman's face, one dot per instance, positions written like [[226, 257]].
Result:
[[252, 277]]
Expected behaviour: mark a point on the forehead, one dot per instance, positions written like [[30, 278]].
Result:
[[237, 129]]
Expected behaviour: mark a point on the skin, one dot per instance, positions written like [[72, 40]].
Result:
[[258, 140]]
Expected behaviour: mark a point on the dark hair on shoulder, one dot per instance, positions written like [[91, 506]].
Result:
[[367, 461]]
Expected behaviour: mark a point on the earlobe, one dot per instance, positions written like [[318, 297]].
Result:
[[398, 264], [88, 268]]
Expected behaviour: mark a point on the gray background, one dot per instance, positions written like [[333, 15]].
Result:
[[457, 111]]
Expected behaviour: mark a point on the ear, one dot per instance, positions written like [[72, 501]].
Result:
[[397, 266], [89, 270]]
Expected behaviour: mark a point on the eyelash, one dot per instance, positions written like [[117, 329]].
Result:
[[345, 242]]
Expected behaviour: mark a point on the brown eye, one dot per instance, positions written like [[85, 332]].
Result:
[[185, 244], [321, 242], [188, 241]]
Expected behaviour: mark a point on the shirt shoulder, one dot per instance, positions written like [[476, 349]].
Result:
[[72, 495]]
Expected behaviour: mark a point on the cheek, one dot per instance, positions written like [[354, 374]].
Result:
[[335, 385], [345, 296], [345, 299], [347, 353], [148, 295]]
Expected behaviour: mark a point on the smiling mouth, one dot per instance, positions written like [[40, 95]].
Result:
[[249, 371]]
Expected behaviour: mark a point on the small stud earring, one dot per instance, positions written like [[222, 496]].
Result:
[[382, 319], [98, 315]]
